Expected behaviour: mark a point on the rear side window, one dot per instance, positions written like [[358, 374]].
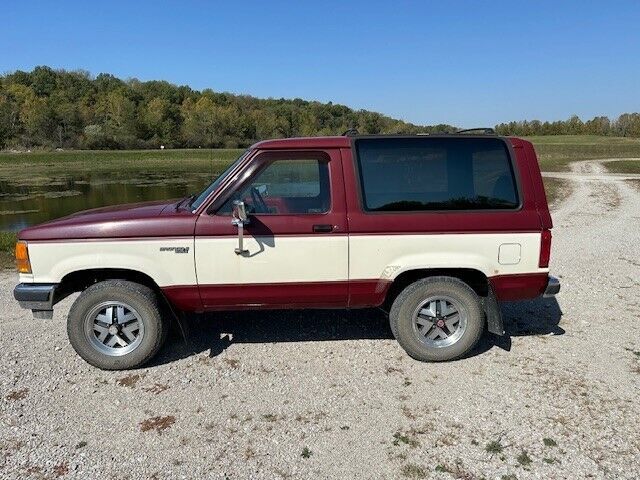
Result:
[[415, 174]]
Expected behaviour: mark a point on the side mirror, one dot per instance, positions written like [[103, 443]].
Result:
[[239, 213], [240, 219]]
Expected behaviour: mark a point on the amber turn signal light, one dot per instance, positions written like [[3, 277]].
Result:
[[22, 258]]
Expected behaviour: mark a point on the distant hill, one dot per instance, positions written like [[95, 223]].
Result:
[[62, 109]]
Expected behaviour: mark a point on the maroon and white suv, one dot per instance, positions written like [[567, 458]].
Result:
[[435, 229]]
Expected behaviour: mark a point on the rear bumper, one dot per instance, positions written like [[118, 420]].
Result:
[[524, 286], [38, 297], [553, 287]]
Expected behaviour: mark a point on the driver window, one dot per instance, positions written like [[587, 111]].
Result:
[[286, 187]]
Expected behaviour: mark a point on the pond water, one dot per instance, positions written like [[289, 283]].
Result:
[[27, 199]]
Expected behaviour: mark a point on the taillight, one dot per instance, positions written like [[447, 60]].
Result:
[[545, 249], [22, 258]]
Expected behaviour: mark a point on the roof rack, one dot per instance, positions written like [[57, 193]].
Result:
[[483, 130], [352, 132]]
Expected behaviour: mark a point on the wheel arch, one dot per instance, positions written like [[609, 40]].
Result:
[[476, 279], [79, 280]]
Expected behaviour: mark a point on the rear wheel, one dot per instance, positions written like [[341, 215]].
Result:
[[437, 319], [116, 325]]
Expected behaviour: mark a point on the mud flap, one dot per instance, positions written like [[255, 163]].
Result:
[[493, 313]]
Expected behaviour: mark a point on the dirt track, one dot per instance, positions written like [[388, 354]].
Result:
[[331, 395]]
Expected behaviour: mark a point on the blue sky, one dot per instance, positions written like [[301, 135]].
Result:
[[468, 63]]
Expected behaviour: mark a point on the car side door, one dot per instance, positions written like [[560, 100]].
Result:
[[295, 241]]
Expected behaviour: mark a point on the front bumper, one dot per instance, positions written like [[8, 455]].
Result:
[[37, 297], [553, 287]]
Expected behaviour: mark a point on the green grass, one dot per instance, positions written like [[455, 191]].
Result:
[[7, 246], [556, 189], [209, 160], [556, 152], [623, 166], [148, 156], [7, 242]]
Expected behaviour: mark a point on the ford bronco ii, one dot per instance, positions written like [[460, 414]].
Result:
[[436, 230]]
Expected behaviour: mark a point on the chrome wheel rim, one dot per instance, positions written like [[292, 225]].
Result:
[[114, 328], [439, 321]]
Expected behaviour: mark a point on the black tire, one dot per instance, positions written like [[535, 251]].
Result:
[[401, 318], [142, 299]]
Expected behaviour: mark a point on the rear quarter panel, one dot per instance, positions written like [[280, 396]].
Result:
[[384, 245]]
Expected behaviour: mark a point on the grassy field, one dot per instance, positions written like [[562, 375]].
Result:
[[556, 152], [97, 160], [623, 166], [7, 245], [556, 189]]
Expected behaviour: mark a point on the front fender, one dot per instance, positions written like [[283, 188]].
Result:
[[167, 262]]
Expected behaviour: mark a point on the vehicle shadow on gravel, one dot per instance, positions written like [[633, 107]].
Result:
[[215, 332], [537, 317]]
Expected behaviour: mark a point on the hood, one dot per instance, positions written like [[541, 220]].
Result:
[[148, 219]]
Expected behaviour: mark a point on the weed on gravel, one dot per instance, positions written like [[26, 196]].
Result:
[[271, 417], [524, 459], [549, 442], [306, 453], [129, 380], [249, 453], [156, 388], [61, 469], [404, 438], [18, 394], [159, 424], [457, 470], [494, 447], [391, 370], [411, 470], [232, 362]]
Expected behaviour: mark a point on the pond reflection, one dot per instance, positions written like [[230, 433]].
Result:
[[28, 200]]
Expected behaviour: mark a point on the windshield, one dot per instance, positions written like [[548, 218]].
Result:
[[202, 196]]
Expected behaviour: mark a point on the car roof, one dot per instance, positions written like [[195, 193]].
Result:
[[345, 141], [304, 142]]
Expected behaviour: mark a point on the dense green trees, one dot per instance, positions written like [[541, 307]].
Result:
[[59, 109], [626, 125]]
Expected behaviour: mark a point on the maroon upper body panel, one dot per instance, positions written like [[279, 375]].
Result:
[[148, 219], [525, 149], [527, 218], [162, 219]]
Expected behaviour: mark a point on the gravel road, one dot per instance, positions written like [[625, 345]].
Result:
[[331, 395]]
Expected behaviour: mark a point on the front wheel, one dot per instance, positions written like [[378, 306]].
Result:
[[116, 325], [437, 319]]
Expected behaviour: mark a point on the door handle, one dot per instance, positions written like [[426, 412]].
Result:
[[323, 228]]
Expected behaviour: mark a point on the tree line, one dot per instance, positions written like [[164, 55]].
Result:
[[71, 109], [626, 125]]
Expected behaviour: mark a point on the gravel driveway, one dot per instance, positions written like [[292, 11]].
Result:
[[331, 395]]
